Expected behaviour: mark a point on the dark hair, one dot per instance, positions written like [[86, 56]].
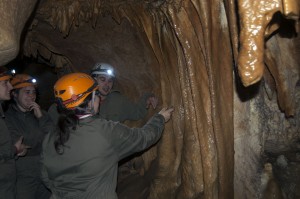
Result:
[[67, 120]]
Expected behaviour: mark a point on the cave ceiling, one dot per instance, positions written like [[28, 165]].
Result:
[[203, 57]]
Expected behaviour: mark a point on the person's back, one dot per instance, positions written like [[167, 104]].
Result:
[[88, 167], [81, 159]]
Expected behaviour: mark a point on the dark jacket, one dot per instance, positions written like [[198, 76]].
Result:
[[7, 162], [26, 124]]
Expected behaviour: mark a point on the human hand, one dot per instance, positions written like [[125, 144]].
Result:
[[20, 147], [153, 101], [36, 109], [166, 113]]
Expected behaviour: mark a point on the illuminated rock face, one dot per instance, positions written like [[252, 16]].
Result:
[[13, 18], [257, 23], [185, 52]]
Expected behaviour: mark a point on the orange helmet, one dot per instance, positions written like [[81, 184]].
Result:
[[22, 80], [71, 90], [5, 74]]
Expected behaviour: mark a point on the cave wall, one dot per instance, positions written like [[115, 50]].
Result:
[[117, 44], [195, 155]]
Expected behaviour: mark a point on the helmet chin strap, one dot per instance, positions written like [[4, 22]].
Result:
[[88, 111]]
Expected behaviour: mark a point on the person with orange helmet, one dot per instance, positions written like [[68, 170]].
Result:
[[80, 159], [26, 118], [8, 151]]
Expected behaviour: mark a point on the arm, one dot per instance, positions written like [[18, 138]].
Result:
[[46, 123], [131, 140], [44, 120], [7, 150]]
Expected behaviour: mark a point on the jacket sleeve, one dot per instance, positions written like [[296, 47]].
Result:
[[53, 113], [43, 172], [127, 141], [45, 123]]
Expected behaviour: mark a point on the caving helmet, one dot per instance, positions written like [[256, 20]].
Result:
[[6, 74], [102, 68], [23, 80], [71, 90]]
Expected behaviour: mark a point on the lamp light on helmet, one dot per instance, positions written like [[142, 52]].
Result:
[[102, 69], [6, 74], [109, 72], [12, 72]]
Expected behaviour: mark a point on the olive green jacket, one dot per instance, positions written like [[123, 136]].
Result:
[[88, 167]]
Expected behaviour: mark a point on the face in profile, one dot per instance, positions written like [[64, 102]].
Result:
[[105, 83], [5, 88], [25, 97]]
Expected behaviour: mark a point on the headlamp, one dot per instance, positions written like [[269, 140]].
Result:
[[109, 72], [9, 72], [13, 72], [31, 80]]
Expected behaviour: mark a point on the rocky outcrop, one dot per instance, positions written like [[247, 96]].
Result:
[[15, 14]]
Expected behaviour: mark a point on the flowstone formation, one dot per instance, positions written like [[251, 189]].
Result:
[[230, 69]]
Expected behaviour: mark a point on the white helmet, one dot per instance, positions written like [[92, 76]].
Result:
[[102, 68]]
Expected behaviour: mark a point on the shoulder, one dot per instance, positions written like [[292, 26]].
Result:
[[115, 96], [105, 127], [11, 111]]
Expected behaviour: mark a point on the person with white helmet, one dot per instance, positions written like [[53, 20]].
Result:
[[115, 106], [8, 151], [24, 117], [80, 158]]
